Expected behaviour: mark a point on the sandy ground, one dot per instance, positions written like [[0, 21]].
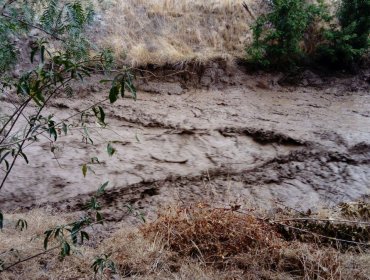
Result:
[[239, 139]]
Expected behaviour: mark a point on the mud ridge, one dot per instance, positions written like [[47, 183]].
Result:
[[279, 171], [262, 136]]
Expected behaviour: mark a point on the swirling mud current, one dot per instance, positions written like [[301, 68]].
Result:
[[242, 139]]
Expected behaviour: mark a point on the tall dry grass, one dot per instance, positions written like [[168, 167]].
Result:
[[160, 32]]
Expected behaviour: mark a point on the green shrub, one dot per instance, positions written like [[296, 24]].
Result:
[[347, 43], [277, 35]]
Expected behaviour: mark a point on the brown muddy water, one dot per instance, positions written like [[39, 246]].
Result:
[[241, 139]]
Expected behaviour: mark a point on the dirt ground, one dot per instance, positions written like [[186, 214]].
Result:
[[225, 136]]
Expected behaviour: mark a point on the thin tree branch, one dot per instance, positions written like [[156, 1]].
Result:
[[33, 26], [48, 250], [30, 258], [27, 135], [12, 116], [53, 126]]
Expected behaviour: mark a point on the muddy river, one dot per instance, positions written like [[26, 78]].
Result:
[[241, 138]]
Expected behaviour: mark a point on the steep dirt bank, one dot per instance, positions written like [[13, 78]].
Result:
[[233, 139]]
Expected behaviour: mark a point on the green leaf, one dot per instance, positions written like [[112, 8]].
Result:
[[110, 149], [132, 89], [99, 217], [99, 114], [46, 240], [23, 155], [105, 81], [66, 249], [122, 88], [42, 54], [95, 160], [21, 224], [113, 94], [65, 128], [1, 220], [52, 130], [84, 169], [57, 232], [6, 164], [102, 114], [33, 52], [101, 189], [84, 235], [4, 156]]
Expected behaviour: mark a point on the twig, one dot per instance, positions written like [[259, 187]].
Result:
[[27, 134], [53, 126], [30, 258], [33, 26], [17, 111], [46, 251], [9, 2], [199, 251], [248, 10]]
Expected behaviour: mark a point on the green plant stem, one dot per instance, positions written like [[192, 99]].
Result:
[[27, 135], [18, 110], [48, 250], [53, 126]]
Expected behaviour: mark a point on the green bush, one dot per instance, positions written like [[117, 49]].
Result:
[[347, 43], [278, 34]]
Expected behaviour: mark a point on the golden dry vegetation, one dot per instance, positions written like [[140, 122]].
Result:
[[161, 32], [194, 242]]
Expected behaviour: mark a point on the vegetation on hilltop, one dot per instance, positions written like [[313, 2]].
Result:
[[297, 33]]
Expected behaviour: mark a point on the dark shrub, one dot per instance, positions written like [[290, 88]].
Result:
[[347, 43], [277, 35]]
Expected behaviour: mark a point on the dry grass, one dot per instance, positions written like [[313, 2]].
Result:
[[196, 242], [214, 236], [164, 32], [230, 240], [16, 245]]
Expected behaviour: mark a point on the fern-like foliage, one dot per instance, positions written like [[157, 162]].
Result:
[[62, 21]]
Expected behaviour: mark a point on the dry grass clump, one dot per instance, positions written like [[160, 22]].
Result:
[[226, 239], [214, 235], [195, 242], [175, 31]]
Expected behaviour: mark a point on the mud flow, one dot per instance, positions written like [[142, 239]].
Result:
[[230, 139]]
